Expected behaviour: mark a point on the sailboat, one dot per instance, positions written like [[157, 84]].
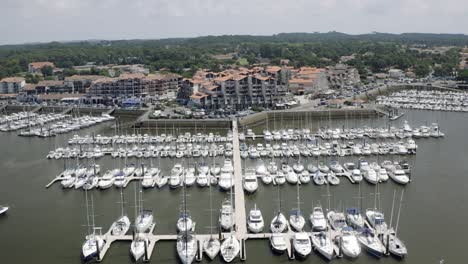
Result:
[[212, 245], [121, 225], [279, 222], [296, 219], [139, 245], [184, 223], [186, 243], [230, 247], [323, 244], [395, 246], [94, 240]]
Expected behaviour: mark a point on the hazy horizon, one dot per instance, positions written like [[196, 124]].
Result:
[[32, 21]]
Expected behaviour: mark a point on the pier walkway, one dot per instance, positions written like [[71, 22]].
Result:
[[239, 202]]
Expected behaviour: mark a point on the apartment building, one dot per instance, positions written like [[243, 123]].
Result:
[[342, 75], [35, 67], [307, 80], [235, 89], [12, 85], [135, 85]]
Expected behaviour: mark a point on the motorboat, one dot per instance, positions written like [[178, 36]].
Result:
[[336, 167], [353, 171], [278, 243], [107, 180], [337, 220], [323, 168], [120, 179], [323, 244], [189, 177], [226, 218], [370, 242], [298, 167], [226, 181], [255, 221], [370, 175], [280, 179], [261, 169], [302, 244], [376, 220], [354, 218], [230, 248], [250, 181], [304, 177], [398, 175], [266, 178], [184, 223], [161, 181], [144, 220], [349, 243], [279, 223], [187, 247], [3, 209], [317, 219]]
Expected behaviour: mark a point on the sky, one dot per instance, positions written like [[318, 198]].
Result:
[[24, 21]]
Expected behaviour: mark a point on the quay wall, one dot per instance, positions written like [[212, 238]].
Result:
[[309, 114], [184, 123]]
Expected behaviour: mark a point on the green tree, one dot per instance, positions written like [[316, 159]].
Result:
[[463, 76], [47, 71]]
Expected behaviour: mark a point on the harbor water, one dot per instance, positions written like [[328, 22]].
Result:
[[47, 225]]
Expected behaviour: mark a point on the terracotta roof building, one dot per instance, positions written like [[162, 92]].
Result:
[[35, 67], [12, 85]]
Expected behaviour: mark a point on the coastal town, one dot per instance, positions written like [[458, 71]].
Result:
[[194, 132]]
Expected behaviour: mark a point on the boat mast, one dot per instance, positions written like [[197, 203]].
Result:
[[88, 225], [393, 205], [399, 211]]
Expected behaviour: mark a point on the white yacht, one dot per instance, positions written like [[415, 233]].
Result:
[[120, 179], [369, 174], [93, 244], [230, 248], [349, 243], [279, 223], [376, 220], [203, 180], [337, 220], [144, 220], [211, 247], [255, 221], [302, 244], [354, 218], [107, 180], [3, 209], [398, 174], [189, 177], [226, 218], [187, 247], [250, 181], [226, 180], [137, 247], [396, 246], [120, 226], [323, 244], [176, 176], [184, 223], [280, 179], [371, 243], [317, 219], [161, 181], [278, 243]]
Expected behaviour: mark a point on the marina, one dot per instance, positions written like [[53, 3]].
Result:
[[159, 235], [427, 100]]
